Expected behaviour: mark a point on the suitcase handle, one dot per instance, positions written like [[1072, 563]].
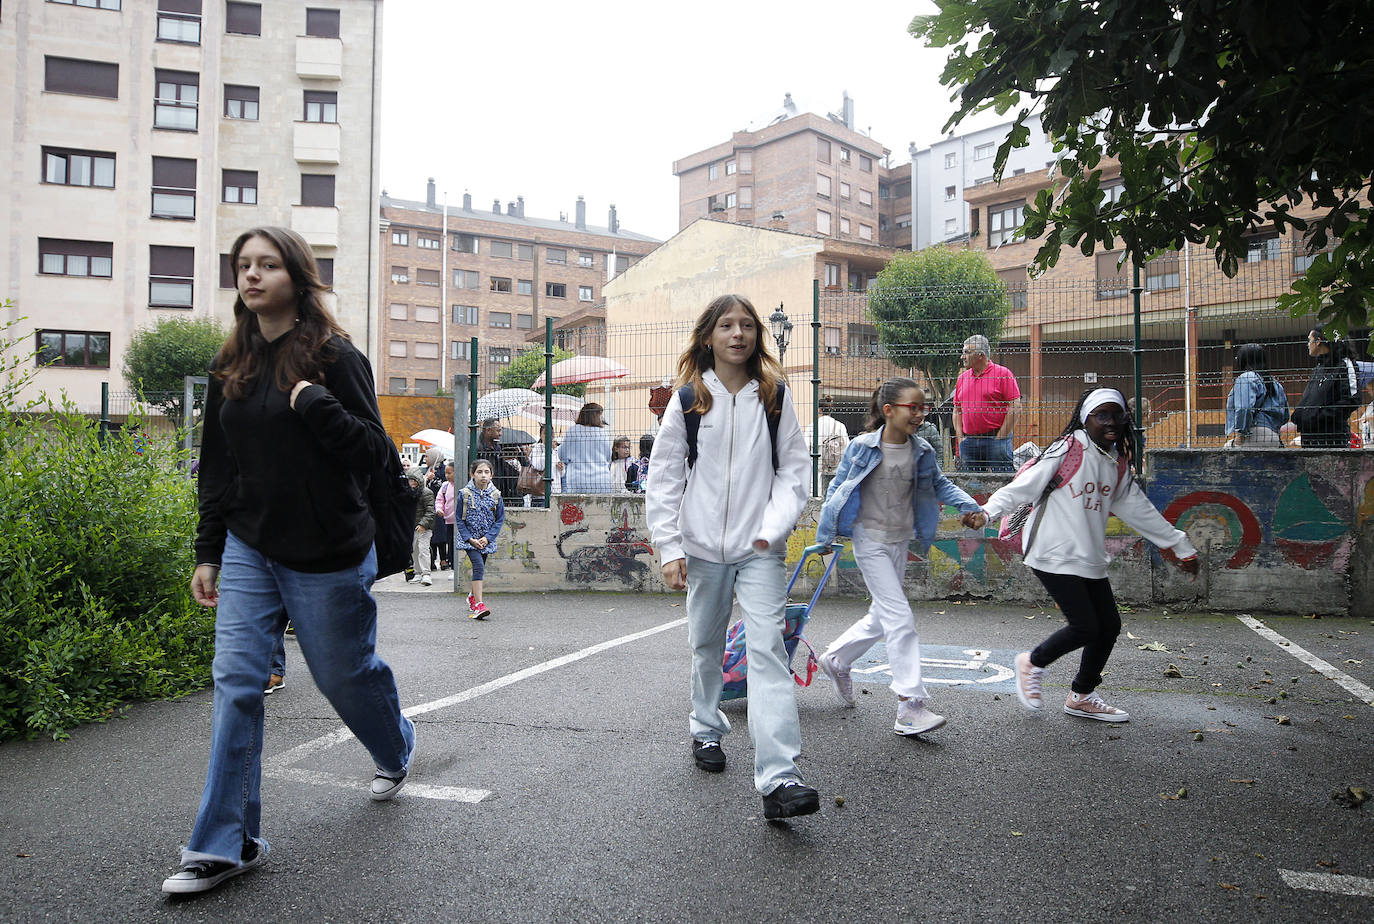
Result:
[[820, 585]]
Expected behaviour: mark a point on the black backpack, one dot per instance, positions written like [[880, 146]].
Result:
[[393, 511], [686, 397]]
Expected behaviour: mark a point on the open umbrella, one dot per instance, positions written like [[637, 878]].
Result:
[[505, 402], [577, 369], [441, 438], [565, 408], [510, 436]]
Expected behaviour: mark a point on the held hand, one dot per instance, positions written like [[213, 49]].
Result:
[[974, 520], [204, 585], [301, 386], [675, 574]]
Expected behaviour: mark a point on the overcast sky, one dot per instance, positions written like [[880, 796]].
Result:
[[552, 100]]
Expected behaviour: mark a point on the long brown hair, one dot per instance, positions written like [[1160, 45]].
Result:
[[304, 353], [888, 393], [697, 358]]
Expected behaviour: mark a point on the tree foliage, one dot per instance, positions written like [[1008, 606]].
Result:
[[159, 358], [1225, 116], [925, 304], [529, 365]]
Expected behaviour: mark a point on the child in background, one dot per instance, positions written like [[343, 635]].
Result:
[[720, 523], [620, 465], [445, 510], [424, 524], [641, 469], [1069, 554], [480, 516], [887, 490]]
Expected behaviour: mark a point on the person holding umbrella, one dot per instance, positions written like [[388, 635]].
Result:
[[586, 454], [504, 470]]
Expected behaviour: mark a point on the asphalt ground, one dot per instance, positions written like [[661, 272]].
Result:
[[553, 783]]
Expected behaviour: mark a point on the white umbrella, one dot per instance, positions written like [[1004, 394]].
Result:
[[577, 369], [565, 408], [505, 402], [440, 438]]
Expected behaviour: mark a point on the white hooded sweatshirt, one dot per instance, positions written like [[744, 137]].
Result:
[[731, 496], [1072, 538]]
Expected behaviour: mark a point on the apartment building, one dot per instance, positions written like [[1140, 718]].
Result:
[[148, 134], [456, 272], [800, 172]]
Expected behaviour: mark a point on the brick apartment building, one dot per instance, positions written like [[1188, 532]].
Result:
[[801, 172], [496, 278]]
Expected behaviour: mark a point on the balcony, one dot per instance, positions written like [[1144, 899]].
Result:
[[317, 142], [319, 225], [319, 58]]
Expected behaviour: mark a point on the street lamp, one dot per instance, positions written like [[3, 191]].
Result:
[[782, 330]]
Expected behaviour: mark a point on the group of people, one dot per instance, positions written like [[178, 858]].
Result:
[[587, 460], [1257, 412]]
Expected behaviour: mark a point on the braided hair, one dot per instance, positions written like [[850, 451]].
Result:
[[1125, 442]]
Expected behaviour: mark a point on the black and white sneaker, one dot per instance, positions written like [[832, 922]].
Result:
[[708, 755], [789, 799], [203, 875], [386, 787]]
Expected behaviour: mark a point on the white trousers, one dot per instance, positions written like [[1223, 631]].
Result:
[[883, 565], [419, 553]]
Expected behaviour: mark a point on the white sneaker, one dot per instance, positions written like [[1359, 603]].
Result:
[[913, 718], [840, 680], [1028, 681], [413, 580], [1091, 706], [427, 581]]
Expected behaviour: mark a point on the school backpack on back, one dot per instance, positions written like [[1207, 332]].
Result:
[[686, 397], [832, 448], [393, 512], [1072, 461]]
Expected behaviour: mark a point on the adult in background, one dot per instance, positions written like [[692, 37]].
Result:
[[1256, 408], [1322, 416], [504, 472], [586, 454], [986, 400], [292, 438], [833, 438]]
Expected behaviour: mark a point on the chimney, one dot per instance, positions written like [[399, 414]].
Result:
[[778, 222], [429, 194], [496, 206], [520, 206], [467, 201], [510, 209], [847, 111], [581, 223], [612, 224]]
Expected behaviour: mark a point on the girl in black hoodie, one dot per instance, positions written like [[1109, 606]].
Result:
[[1331, 395]]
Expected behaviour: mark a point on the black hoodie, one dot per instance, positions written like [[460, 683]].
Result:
[[292, 484]]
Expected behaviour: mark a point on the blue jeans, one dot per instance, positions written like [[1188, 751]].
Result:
[[279, 653], [985, 454], [336, 627], [758, 582]]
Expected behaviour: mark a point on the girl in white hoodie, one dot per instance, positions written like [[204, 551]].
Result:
[[1069, 553], [720, 521]]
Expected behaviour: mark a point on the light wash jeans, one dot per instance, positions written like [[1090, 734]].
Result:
[[760, 586], [889, 617], [336, 627]]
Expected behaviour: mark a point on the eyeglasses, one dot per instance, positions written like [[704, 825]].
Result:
[[1108, 417], [914, 407]]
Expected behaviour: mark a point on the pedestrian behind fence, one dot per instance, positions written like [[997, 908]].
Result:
[[986, 402], [481, 514], [445, 508], [1256, 407]]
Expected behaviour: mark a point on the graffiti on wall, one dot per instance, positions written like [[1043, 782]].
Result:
[[612, 560]]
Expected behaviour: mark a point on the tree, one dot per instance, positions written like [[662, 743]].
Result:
[[1225, 115], [159, 358], [529, 365], [925, 304]]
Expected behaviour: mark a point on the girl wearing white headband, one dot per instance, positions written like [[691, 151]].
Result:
[[1067, 551]]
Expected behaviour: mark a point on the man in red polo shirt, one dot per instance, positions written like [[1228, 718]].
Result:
[[985, 403]]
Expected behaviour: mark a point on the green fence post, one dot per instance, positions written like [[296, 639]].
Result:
[[1137, 355], [548, 412], [472, 404], [815, 388], [104, 433]]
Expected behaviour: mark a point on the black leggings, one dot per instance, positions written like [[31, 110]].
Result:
[[1093, 625]]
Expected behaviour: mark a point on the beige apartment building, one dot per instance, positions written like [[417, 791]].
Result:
[[148, 134], [452, 273]]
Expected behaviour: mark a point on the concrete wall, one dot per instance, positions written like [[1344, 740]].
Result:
[[1281, 531]]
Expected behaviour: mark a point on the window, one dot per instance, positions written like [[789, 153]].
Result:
[[1015, 280], [240, 186], [983, 151], [731, 200], [844, 225], [844, 155], [856, 281], [746, 161], [1003, 222], [465, 279], [902, 190], [322, 23], [729, 168], [425, 350], [713, 171], [397, 348], [499, 355], [240, 102], [73, 348], [1162, 273], [865, 232], [884, 191], [865, 163], [584, 293], [1303, 254], [243, 18], [460, 349], [823, 150], [83, 78], [524, 287], [396, 386], [427, 388], [866, 197], [1262, 246], [716, 203], [863, 341], [832, 275], [465, 243], [830, 337], [951, 226], [555, 290], [427, 241], [171, 272], [78, 168], [399, 312], [174, 187], [178, 21], [317, 189], [844, 190], [823, 186], [400, 275], [1018, 171], [93, 4], [823, 222], [524, 321], [1111, 279], [325, 267], [176, 105], [555, 255], [427, 277], [58, 257], [400, 237], [321, 106], [226, 272], [981, 180], [746, 197], [500, 284], [585, 259], [465, 314], [622, 263], [951, 160], [501, 249], [524, 252], [904, 221], [950, 193]]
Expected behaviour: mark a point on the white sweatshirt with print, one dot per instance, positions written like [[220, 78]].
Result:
[[1072, 537]]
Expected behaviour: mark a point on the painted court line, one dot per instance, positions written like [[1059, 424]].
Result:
[[280, 767], [1340, 677], [1325, 882]]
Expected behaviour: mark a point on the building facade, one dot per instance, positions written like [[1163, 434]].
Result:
[[148, 134], [454, 273]]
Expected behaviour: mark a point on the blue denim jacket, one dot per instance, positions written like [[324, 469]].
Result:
[[1249, 404], [861, 457]]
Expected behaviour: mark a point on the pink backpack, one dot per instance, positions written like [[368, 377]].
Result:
[[1014, 522]]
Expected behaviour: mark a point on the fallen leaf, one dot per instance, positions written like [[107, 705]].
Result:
[[839, 800], [1030, 615], [1352, 661], [1131, 635], [1016, 834], [1284, 720], [1152, 646], [1173, 672], [1227, 885], [1197, 736], [1243, 782], [1347, 717], [1351, 797]]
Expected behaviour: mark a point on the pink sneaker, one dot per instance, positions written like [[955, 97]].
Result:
[[1028, 681], [480, 611], [1091, 706]]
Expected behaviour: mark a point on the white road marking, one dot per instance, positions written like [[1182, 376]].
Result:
[[1341, 678], [1324, 882], [279, 766], [978, 661]]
